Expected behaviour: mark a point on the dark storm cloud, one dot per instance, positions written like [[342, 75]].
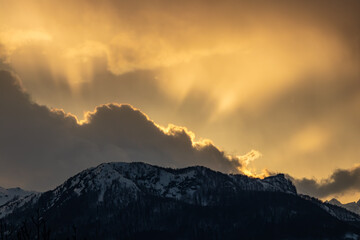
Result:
[[40, 147], [142, 140], [340, 182]]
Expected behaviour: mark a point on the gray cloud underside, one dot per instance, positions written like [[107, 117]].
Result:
[[39, 147], [339, 182]]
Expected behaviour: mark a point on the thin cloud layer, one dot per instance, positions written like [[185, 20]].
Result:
[[217, 47], [40, 147]]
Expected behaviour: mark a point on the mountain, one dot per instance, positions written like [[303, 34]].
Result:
[[137, 200], [352, 206], [125, 182], [10, 194]]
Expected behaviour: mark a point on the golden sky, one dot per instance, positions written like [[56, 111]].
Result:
[[279, 77]]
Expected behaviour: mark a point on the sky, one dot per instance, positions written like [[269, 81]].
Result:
[[255, 87]]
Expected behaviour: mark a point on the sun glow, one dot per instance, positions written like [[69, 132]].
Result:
[[278, 77], [243, 68]]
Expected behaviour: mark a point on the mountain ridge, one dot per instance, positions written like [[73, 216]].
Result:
[[123, 200], [9, 194], [136, 177], [351, 206]]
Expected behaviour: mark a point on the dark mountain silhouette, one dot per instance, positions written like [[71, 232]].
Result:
[[351, 206], [140, 201], [10, 194]]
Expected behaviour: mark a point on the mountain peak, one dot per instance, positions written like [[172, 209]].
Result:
[[123, 183], [10, 194], [351, 206], [336, 202], [121, 194]]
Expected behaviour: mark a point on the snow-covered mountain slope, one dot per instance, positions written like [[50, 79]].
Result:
[[352, 206], [186, 184], [9, 194], [122, 183], [335, 209], [123, 200]]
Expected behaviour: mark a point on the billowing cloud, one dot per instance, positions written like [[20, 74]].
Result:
[[278, 76], [340, 182], [40, 147], [13, 39], [215, 47]]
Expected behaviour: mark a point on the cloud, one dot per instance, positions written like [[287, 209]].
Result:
[[309, 130], [11, 40], [240, 53], [277, 76], [309, 139], [131, 130], [339, 182], [37, 143]]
